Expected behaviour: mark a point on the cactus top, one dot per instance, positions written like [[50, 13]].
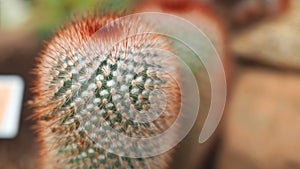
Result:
[[96, 77]]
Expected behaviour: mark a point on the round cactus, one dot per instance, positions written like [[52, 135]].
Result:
[[89, 82]]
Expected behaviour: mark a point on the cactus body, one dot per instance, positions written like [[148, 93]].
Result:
[[84, 87]]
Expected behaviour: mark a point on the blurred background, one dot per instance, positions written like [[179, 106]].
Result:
[[258, 41]]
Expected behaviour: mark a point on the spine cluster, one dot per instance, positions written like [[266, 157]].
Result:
[[89, 83]]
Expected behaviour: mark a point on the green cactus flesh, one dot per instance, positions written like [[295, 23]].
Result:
[[82, 90]]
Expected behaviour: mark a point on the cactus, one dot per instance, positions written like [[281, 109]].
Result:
[[82, 85]]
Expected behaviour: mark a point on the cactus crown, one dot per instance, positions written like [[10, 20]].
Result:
[[88, 82]]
